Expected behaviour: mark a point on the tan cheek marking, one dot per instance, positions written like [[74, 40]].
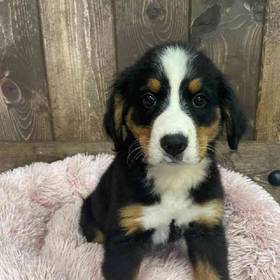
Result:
[[154, 85], [99, 237], [141, 133], [206, 134], [118, 112], [216, 208], [130, 218], [195, 86], [203, 271]]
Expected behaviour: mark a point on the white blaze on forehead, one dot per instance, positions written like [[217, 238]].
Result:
[[174, 61], [176, 66]]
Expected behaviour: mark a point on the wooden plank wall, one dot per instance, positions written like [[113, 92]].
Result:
[[24, 105], [80, 59], [142, 24], [268, 113], [58, 58], [230, 32]]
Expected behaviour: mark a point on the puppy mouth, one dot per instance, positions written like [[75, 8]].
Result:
[[178, 160], [172, 160]]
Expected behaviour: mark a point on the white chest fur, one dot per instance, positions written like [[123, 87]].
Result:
[[173, 184]]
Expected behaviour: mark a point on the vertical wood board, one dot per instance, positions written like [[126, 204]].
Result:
[[80, 58], [268, 113], [24, 108]]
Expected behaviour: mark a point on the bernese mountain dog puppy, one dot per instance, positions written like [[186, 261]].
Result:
[[164, 115]]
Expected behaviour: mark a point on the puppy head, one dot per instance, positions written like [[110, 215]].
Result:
[[172, 103]]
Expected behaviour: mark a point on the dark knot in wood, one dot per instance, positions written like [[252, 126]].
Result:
[[10, 91], [153, 11]]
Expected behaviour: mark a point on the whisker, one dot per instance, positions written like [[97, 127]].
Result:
[[135, 150], [132, 152], [134, 143], [138, 155], [222, 158]]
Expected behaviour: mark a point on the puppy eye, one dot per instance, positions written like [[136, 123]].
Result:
[[199, 101], [149, 100]]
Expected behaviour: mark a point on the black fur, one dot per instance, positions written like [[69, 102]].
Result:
[[232, 115], [124, 182]]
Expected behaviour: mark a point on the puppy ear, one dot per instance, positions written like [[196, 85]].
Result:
[[114, 116], [232, 116]]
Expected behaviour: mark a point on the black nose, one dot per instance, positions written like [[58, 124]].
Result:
[[174, 144]]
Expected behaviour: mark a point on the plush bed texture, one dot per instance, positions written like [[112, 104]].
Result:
[[39, 237]]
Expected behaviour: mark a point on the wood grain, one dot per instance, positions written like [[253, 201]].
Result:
[[80, 58], [24, 108], [142, 24], [254, 159], [230, 32], [268, 111]]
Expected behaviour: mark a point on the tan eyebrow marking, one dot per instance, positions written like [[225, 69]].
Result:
[[195, 85], [154, 85]]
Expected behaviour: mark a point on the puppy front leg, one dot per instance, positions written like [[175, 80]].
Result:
[[122, 259], [123, 254], [208, 252]]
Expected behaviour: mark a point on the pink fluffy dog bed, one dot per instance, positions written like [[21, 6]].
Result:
[[39, 212]]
